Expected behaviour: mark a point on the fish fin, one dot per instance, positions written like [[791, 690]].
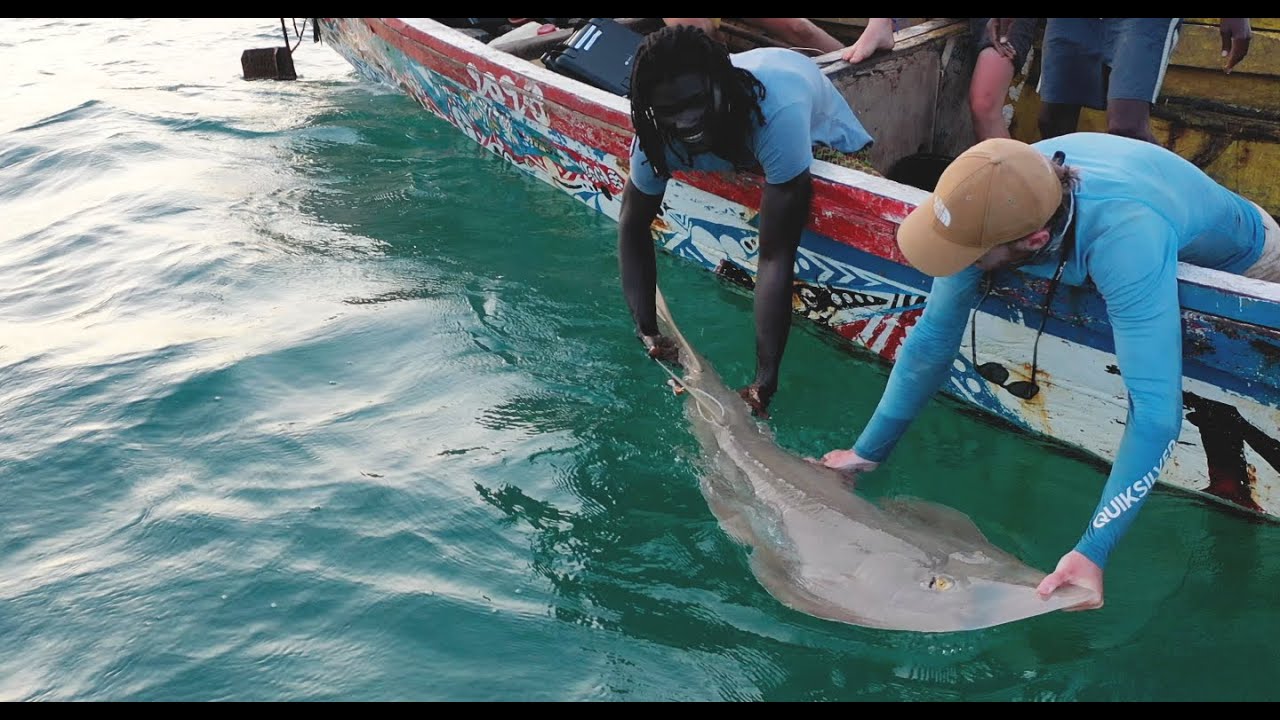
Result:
[[772, 574], [939, 517], [723, 503], [736, 526]]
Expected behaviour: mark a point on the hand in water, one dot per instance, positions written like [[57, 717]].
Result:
[[661, 347], [848, 461], [758, 398], [1076, 569]]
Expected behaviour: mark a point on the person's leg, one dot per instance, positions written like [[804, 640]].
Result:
[[1130, 118], [798, 32], [1268, 266], [992, 73], [987, 92], [1138, 52], [1071, 73]]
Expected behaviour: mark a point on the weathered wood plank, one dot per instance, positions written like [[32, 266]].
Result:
[[1245, 161], [953, 128], [1200, 46], [1227, 124], [1255, 23], [905, 126], [910, 75], [1244, 91]]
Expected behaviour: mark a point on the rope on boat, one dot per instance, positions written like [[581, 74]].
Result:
[[297, 31]]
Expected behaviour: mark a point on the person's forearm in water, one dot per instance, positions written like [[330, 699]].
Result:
[[783, 211]]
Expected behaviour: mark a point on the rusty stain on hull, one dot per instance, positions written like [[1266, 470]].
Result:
[[1224, 433]]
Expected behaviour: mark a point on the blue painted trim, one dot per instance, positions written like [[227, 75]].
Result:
[[1249, 372], [1248, 310]]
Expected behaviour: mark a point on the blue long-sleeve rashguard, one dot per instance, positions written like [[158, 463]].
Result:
[[1140, 209]]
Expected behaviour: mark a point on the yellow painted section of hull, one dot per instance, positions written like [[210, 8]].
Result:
[[1250, 167], [1227, 124]]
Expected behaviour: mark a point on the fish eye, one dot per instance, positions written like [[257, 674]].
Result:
[[941, 583]]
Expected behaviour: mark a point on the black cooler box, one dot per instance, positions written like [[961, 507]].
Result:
[[599, 54]]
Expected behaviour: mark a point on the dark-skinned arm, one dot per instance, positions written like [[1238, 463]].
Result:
[[784, 210], [637, 264]]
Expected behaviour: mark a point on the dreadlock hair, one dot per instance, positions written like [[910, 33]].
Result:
[[670, 51]]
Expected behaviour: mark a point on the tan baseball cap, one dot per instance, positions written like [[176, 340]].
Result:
[[995, 192]]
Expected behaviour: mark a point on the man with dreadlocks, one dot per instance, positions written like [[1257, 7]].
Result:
[[695, 106]]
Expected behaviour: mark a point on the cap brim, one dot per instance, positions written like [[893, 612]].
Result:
[[928, 250]]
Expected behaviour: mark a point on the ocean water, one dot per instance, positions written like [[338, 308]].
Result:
[[305, 397]]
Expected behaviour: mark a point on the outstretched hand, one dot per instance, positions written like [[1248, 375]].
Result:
[[1075, 569], [846, 462]]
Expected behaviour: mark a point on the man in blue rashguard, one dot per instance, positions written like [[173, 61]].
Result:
[[696, 106], [1081, 207]]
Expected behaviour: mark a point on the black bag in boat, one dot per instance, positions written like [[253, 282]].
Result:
[[599, 54]]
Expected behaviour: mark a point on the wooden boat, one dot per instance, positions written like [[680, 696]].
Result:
[[851, 277]]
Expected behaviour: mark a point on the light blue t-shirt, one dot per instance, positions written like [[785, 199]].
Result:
[[801, 107], [1140, 209]]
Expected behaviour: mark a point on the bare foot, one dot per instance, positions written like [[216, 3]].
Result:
[[878, 36]]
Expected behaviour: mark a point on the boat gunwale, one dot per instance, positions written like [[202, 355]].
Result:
[[1206, 290]]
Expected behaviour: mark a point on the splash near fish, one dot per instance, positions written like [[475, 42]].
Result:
[[818, 547]]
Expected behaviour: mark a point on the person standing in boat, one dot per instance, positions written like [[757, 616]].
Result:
[[1114, 64], [1118, 212], [695, 106]]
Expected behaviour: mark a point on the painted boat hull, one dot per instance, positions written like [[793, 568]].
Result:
[[851, 278]]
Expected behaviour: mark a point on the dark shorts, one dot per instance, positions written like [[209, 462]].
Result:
[[1022, 35], [1076, 51]]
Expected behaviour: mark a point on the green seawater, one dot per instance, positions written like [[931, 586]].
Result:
[[304, 396]]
